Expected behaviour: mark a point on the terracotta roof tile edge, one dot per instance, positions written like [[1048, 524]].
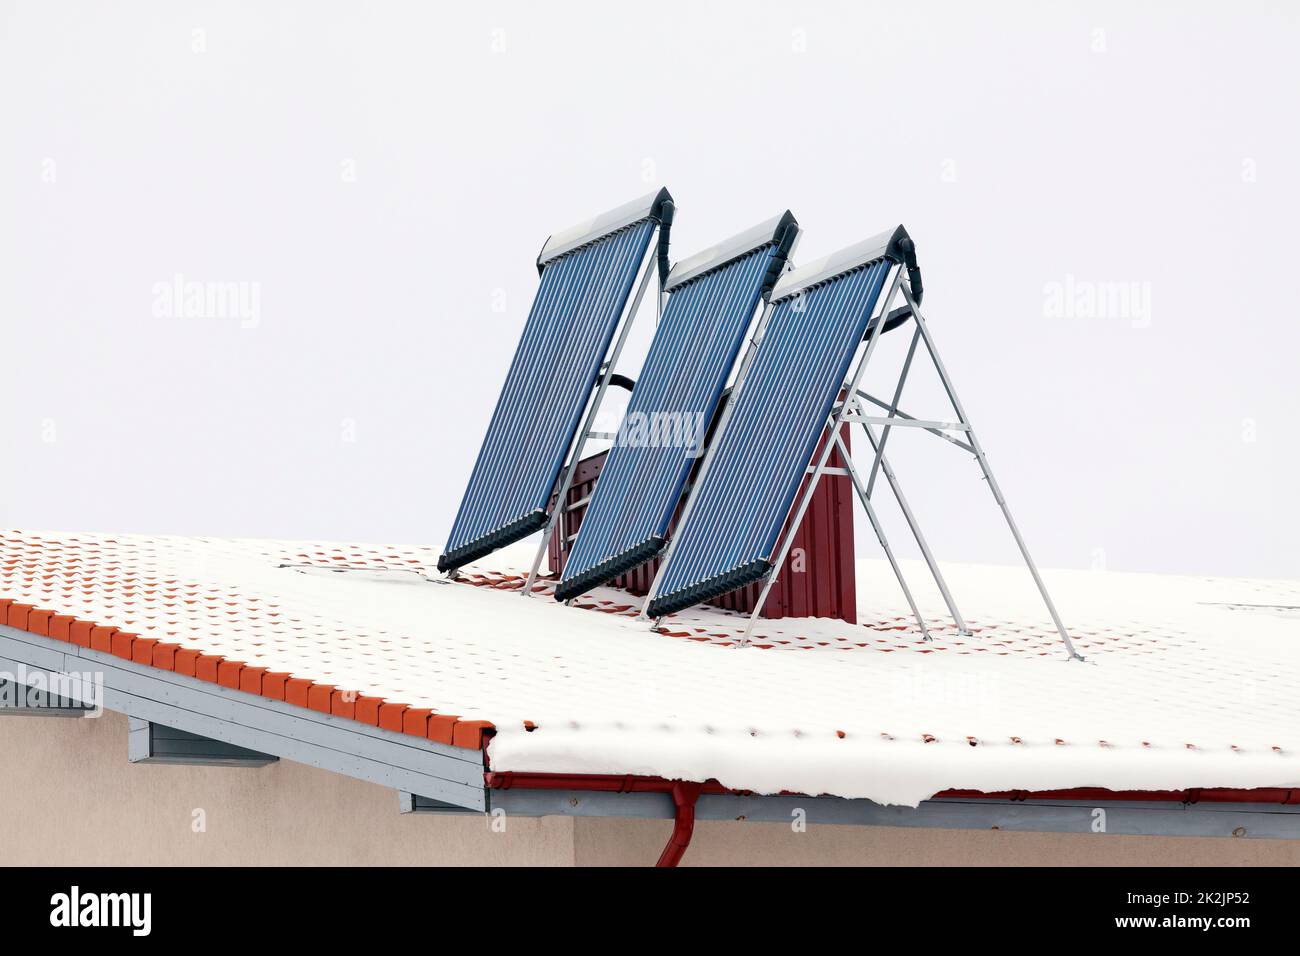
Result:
[[441, 728]]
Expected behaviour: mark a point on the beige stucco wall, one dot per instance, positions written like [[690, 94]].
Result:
[[70, 797]]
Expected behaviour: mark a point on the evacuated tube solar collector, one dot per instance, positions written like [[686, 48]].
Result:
[[567, 349], [712, 299]]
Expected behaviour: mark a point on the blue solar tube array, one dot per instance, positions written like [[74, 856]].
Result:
[[573, 319], [664, 427], [780, 413]]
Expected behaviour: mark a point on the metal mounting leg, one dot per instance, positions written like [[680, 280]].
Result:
[[982, 459], [916, 531], [865, 498], [893, 410]]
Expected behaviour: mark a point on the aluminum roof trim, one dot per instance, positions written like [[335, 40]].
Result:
[[743, 243], [885, 245], [649, 206]]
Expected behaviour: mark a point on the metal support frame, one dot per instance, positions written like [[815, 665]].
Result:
[[865, 497], [850, 409], [648, 268], [896, 423], [978, 451], [882, 463], [905, 419], [893, 409]]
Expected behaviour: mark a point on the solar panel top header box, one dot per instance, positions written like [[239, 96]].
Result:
[[819, 317], [587, 276], [712, 299]]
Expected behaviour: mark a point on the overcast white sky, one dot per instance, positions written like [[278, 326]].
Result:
[[382, 176]]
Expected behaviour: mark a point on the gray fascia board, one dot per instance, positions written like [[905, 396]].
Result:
[[726, 251], [835, 264], [20, 646], [1136, 818], [575, 237], [62, 707], [401, 761]]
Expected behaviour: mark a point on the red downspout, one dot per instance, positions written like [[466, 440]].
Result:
[[684, 796]]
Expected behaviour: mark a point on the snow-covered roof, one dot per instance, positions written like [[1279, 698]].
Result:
[[1189, 682]]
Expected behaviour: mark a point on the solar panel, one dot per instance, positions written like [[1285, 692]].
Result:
[[819, 317], [712, 300], [587, 276]]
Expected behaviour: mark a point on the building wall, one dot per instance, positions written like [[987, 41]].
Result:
[[71, 798]]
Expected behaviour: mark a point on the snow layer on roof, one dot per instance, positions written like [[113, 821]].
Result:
[[1190, 682]]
